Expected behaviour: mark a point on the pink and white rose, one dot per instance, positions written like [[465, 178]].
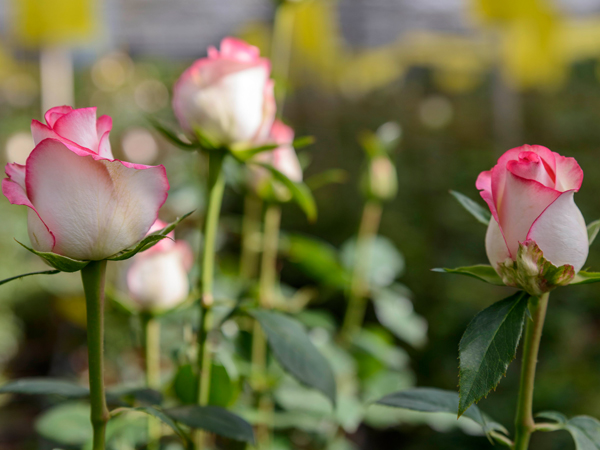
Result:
[[228, 95], [158, 277], [530, 195], [82, 202]]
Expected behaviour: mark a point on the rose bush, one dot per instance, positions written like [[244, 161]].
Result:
[[82, 202], [530, 195], [158, 277], [228, 95]]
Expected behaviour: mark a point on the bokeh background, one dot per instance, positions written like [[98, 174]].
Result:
[[465, 80]]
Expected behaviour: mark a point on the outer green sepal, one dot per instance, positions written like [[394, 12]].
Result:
[[44, 272], [59, 262], [584, 277], [172, 136], [299, 192], [475, 209], [532, 272], [482, 272], [147, 242]]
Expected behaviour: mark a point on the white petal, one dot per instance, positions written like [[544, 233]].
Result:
[[495, 246], [561, 234], [158, 280], [94, 208]]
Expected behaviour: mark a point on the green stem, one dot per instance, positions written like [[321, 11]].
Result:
[[216, 187], [359, 287], [151, 328], [250, 232], [93, 277], [268, 280], [524, 424]]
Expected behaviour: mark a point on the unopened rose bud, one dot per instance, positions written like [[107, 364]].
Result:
[[381, 181], [158, 278], [228, 95]]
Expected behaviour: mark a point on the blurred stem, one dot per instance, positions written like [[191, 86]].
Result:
[[524, 424], [268, 279], [93, 277], [250, 230], [151, 328], [359, 286], [281, 50], [216, 187]]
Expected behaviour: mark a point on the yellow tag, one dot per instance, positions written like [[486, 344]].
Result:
[[53, 22]]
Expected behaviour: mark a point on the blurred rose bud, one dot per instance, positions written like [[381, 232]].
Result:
[[535, 220], [83, 203], [283, 158], [158, 277], [381, 181], [227, 96]]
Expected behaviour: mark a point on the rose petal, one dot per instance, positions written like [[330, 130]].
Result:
[[495, 245], [523, 201], [561, 234], [95, 208], [53, 114], [79, 126]]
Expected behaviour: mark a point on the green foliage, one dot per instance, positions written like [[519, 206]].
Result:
[[295, 352], [437, 400], [488, 346], [44, 272], [215, 420], [68, 423], [584, 277], [585, 430], [592, 229], [45, 386], [300, 192], [149, 241], [395, 311], [481, 214], [482, 272], [318, 259], [59, 262], [172, 136]]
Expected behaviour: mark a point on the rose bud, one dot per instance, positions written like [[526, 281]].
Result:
[[158, 277], [83, 203], [380, 180], [282, 158], [227, 96], [537, 237]]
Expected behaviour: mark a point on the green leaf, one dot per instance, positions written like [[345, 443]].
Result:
[[318, 259], [386, 263], [159, 414], [245, 154], [148, 241], [592, 229], [325, 178], [214, 420], [585, 430], [435, 401], [584, 277], [295, 352], [395, 311], [488, 346], [44, 272], [141, 394], [67, 423], [45, 386], [172, 136], [475, 209], [59, 262], [482, 272], [301, 194]]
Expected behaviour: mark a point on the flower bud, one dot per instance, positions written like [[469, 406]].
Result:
[[380, 181]]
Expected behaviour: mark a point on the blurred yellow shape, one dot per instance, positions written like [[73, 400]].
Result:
[[52, 22], [71, 309]]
